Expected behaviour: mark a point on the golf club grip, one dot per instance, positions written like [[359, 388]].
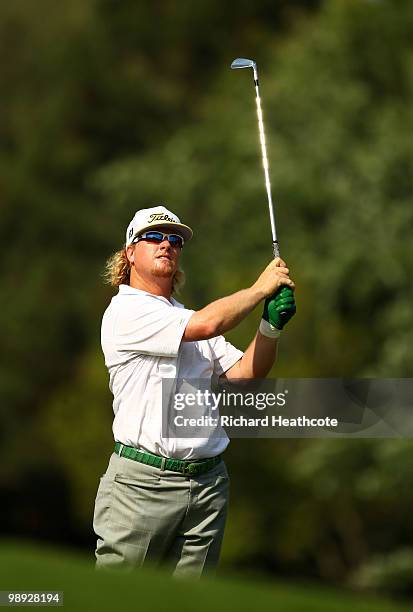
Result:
[[284, 290]]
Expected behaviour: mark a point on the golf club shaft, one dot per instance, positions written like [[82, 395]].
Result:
[[242, 62], [275, 246]]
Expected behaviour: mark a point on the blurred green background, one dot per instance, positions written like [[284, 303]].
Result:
[[108, 107]]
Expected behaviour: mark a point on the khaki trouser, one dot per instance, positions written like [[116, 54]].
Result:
[[145, 514]]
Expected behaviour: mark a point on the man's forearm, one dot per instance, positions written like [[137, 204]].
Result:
[[257, 360], [223, 314]]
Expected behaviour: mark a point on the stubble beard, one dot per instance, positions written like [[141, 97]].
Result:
[[163, 268]]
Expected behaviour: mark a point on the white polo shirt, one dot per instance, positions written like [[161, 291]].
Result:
[[141, 341]]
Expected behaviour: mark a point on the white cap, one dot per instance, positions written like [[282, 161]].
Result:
[[157, 216]]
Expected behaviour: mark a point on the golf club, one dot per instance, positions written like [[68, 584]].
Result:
[[242, 62]]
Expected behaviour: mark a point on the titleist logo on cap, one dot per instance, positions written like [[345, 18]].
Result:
[[160, 217]]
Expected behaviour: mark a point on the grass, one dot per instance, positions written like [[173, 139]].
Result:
[[32, 567]]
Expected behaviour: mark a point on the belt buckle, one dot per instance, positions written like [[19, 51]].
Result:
[[191, 468]]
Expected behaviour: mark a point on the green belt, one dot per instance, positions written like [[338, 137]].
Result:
[[176, 465]]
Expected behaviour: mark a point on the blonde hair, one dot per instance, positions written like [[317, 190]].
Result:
[[117, 272]]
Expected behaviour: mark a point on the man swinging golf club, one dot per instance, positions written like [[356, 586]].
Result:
[[165, 500]]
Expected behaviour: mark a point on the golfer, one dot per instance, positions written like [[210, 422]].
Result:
[[164, 500]]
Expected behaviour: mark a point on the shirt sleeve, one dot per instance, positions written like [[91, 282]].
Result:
[[151, 327], [225, 354]]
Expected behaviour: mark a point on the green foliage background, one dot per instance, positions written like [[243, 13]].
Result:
[[108, 107]]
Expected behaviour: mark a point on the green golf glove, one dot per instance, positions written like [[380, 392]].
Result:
[[279, 308]]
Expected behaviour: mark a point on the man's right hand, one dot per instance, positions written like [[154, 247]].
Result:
[[275, 275], [224, 314]]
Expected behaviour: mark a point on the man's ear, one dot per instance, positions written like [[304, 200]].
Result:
[[130, 253]]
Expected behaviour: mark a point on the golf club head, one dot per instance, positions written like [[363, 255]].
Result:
[[242, 62]]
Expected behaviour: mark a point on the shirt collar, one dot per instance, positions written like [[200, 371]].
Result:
[[128, 290]]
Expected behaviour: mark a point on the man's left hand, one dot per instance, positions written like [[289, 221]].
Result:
[[280, 307]]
